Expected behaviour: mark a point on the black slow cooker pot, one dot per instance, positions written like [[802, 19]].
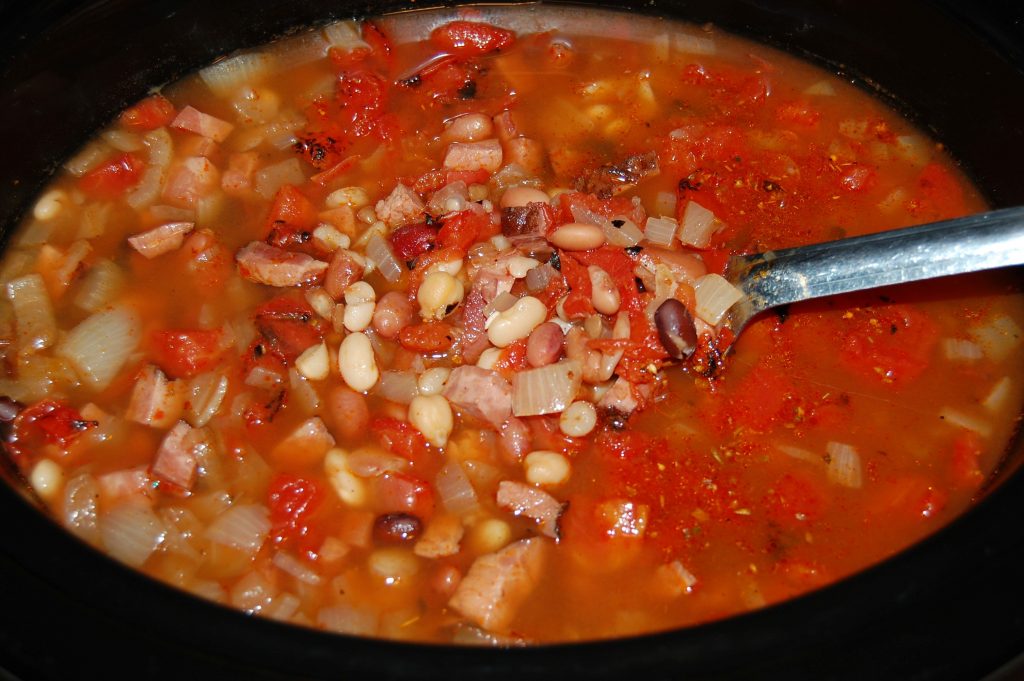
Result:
[[951, 607]]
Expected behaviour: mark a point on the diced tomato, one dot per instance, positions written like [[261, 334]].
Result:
[[590, 533], [796, 500], [760, 401], [856, 177], [291, 219], [965, 465], [288, 326], [149, 114], [113, 178], [715, 259], [402, 438], [186, 353], [431, 338], [444, 80], [362, 96], [513, 358], [799, 112], [379, 43], [411, 241], [471, 39], [395, 492], [577, 303], [49, 422], [292, 500], [460, 230], [888, 343], [258, 413]]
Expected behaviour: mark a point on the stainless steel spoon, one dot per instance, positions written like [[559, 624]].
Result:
[[938, 249]]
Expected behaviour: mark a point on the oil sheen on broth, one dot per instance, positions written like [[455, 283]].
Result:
[[407, 328]]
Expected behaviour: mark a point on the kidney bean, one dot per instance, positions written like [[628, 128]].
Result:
[[544, 345], [515, 438], [395, 528], [349, 412], [676, 329], [394, 312], [343, 271]]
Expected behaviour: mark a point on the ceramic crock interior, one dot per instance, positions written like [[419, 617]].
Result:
[[943, 609]]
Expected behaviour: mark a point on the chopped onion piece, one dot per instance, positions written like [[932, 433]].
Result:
[[268, 180], [660, 231], [379, 251], [998, 338], [131, 532], [81, 512], [698, 225], [227, 75], [296, 568], [122, 140], [844, 466], [89, 157], [621, 232], [538, 278], [33, 313], [397, 386], [665, 203], [715, 296], [206, 395], [546, 390], [457, 493], [345, 35], [959, 349], [242, 527], [800, 453], [688, 43], [160, 147], [347, 619], [997, 397], [822, 88], [100, 345], [369, 462], [958, 418]]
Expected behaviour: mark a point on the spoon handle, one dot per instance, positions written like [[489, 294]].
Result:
[[968, 244]]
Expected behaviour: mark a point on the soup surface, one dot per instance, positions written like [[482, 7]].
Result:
[[412, 328]]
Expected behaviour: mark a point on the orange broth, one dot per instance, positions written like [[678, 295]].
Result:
[[834, 434]]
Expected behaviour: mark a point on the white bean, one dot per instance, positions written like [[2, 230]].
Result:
[[604, 293], [360, 301], [46, 479], [489, 358], [357, 363], [330, 238], [516, 322], [431, 381], [469, 127], [522, 196], [490, 535], [519, 265], [432, 416], [393, 564], [348, 196], [577, 236], [438, 294], [314, 363], [50, 205], [578, 419], [546, 468], [349, 488]]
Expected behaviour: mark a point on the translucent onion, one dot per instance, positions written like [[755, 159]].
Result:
[[379, 251], [1000, 393], [688, 43], [296, 568], [253, 593], [457, 493], [99, 346], [122, 140], [346, 619], [89, 157], [206, 395], [227, 75], [451, 198], [397, 386], [345, 35], [299, 50], [844, 467], [80, 514], [714, 296], [958, 418], [369, 462], [998, 338], [963, 350], [538, 278], [660, 231], [131, 533], [158, 143], [801, 454], [621, 232], [283, 607], [242, 527], [303, 392], [268, 180], [822, 88], [547, 390], [698, 225], [33, 313]]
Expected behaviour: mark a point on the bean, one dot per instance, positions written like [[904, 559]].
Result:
[[544, 345], [357, 363], [604, 293], [393, 313], [431, 381], [360, 300], [393, 564], [578, 419], [349, 412], [515, 438], [676, 329], [445, 579], [439, 293], [343, 271], [432, 416], [50, 205], [546, 468], [469, 127], [577, 236], [350, 488], [516, 322], [522, 196], [355, 197], [46, 479], [490, 535], [314, 363], [396, 528]]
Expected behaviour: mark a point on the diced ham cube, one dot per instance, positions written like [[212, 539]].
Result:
[[237, 179], [131, 483], [274, 266], [208, 126], [176, 461], [481, 393], [441, 538], [485, 155], [505, 126], [162, 239], [191, 180], [498, 583], [619, 397], [155, 401], [401, 206], [522, 499]]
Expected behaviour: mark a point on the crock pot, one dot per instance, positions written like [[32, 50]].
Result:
[[950, 607]]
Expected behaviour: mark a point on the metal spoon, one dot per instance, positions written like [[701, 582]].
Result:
[[938, 249]]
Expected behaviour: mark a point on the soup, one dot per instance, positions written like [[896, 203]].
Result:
[[412, 328]]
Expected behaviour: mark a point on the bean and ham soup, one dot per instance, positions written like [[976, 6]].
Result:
[[411, 328]]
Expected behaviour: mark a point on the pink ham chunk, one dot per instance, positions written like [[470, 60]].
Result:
[[237, 179], [522, 499], [190, 180], [155, 400], [485, 155], [274, 266], [162, 239], [176, 460], [481, 393], [208, 126], [401, 206], [498, 583]]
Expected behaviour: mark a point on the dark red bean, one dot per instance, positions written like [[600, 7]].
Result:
[[393, 313], [396, 528], [676, 330], [544, 346]]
